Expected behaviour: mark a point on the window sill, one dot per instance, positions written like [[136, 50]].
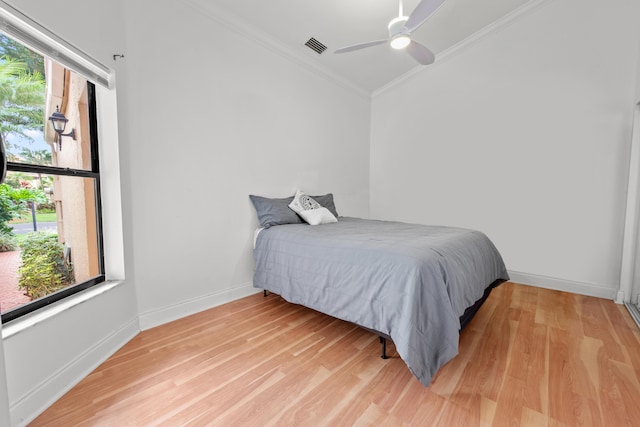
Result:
[[32, 319]]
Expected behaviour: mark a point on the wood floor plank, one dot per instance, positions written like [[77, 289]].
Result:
[[535, 395], [530, 357], [510, 402]]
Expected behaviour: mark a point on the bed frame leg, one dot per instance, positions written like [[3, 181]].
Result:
[[264, 292], [383, 341]]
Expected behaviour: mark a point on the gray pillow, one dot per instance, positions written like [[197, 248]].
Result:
[[327, 202], [277, 212]]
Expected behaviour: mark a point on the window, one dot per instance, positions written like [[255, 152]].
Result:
[[50, 205]]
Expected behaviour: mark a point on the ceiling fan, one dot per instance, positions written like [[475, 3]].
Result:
[[400, 30]]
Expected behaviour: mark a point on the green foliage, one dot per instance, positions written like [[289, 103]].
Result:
[[15, 50], [8, 243], [19, 179], [13, 178], [34, 157], [13, 201], [46, 208], [21, 99], [8, 211], [44, 268]]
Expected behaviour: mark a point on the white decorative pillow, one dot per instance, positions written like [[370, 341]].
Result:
[[310, 210]]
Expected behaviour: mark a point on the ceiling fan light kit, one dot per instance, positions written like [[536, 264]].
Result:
[[400, 42], [398, 33], [400, 29]]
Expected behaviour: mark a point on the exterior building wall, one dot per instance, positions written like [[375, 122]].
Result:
[[74, 197]]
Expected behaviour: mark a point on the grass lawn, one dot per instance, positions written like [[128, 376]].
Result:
[[40, 217]]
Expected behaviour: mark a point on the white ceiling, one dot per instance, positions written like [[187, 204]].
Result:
[[339, 23]]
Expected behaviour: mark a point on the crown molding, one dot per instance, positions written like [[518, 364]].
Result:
[[465, 43], [243, 28]]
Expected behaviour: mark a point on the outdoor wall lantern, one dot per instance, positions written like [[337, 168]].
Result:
[[59, 122]]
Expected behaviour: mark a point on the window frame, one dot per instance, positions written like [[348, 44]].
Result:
[[93, 173]]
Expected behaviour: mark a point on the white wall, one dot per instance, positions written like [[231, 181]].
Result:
[[5, 418], [93, 26], [206, 117], [46, 359], [524, 134], [637, 97], [213, 116], [632, 292]]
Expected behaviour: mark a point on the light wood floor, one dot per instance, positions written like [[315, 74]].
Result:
[[531, 357]]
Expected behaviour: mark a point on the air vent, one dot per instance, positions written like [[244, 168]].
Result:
[[315, 45]]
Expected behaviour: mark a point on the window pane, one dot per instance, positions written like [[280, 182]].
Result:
[[53, 228], [32, 151], [22, 114], [50, 237], [41, 88]]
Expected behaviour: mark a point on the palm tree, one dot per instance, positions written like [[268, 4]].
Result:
[[22, 96], [16, 50]]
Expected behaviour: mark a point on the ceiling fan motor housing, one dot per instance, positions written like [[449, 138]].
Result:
[[396, 26]]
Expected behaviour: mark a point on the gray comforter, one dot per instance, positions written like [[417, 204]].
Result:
[[409, 282]]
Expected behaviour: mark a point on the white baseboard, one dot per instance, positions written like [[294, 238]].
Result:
[[51, 389], [182, 309], [563, 285]]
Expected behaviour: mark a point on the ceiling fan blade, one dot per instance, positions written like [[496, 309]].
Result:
[[421, 13], [420, 53], [359, 46]]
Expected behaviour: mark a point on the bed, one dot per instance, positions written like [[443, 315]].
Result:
[[415, 284], [418, 285]]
